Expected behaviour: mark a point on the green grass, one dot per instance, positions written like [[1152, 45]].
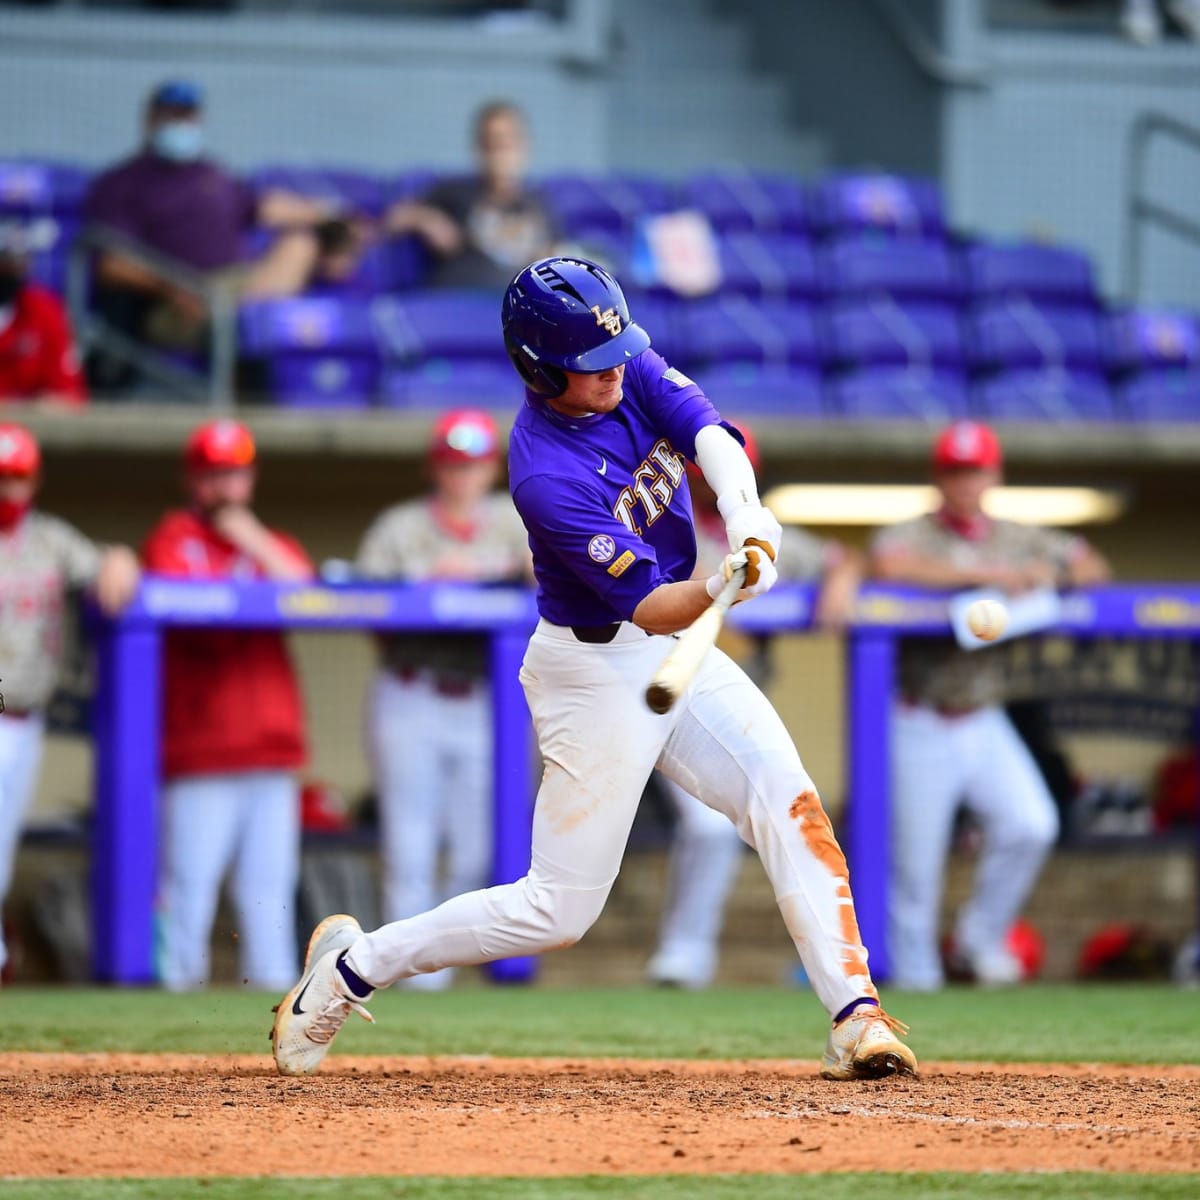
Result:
[[718, 1187], [1126, 1023]]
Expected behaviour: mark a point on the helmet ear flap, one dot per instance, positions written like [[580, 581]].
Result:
[[540, 377]]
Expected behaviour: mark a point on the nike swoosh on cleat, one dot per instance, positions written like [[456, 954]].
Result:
[[296, 1003], [602, 469]]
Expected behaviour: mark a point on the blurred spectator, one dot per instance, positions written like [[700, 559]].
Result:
[[430, 722], [482, 229], [233, 729], [1141, 21], [706, 849], [38, 360], [41, 557], [951, 740], [173, 200]]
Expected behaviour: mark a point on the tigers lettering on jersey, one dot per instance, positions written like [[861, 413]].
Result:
[[654, 484]]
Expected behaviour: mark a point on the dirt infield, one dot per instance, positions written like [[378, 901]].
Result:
[[150, 1115]]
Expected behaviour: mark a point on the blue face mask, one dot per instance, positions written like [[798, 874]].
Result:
[[178, 141]]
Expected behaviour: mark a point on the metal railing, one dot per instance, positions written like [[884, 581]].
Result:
[[1140, 209], [213, 383]]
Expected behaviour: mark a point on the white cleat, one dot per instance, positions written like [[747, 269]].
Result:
[[309, 1016], [864, 1045]]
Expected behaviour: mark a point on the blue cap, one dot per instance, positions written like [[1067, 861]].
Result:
[[177, 93]]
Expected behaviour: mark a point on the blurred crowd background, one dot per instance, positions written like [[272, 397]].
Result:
[[853, 224]]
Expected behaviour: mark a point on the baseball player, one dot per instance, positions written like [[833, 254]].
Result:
[[233, 729], [429, 715], [596, 470], [705, 847], [951, 739], [41, 558]]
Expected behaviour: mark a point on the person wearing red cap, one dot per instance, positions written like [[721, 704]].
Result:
[[429, 715], [38, 359], [951, 739], [706, 849], [233, 729], [41, 559]]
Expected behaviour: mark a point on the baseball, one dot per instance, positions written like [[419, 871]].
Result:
[[986, 619]]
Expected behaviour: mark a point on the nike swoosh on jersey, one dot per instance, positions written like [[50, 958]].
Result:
[[602, 469]]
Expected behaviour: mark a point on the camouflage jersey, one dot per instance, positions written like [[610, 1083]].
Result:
[[410, 540], [41, 560], [935, 671]]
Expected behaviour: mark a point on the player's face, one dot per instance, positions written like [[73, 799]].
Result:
[[17, 489], [963, 490], [599, 392], [462, 484], [218, 488]]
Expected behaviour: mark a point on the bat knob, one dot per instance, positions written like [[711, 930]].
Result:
[[659, 698]]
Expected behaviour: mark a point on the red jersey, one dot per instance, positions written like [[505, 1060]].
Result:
[[37, 352], [230, 697]]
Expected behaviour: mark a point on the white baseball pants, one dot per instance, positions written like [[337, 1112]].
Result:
[[21, 741], [432, 757], [247, 822], [937, 762], [703, 864], [723, 742]]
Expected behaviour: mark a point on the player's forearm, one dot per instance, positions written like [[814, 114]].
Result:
[[117, 271], [1089, 568], [672, 607]]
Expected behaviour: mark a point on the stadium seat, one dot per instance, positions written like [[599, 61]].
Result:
[[1046, 274], [904, 393], [410, 184], [442, 324], [1168, 396], [747, 201], [1049, 394], [609, 202], [783, 390], [316, 351], [906, 268], [881, 332], [352, 191], [1154, 339], [443, 383], [768, 265], [884, 203], [1011, 334], [736, 329]]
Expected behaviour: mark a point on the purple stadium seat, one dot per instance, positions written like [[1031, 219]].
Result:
[[769, 265], [318, 351], [746, 201], [904, 393], [1047, 274], [354, 191], [446, 324], [1153, 339], [443, 383], [885, 203], [410, 184], [786, 390], [1048, 394], [906, 268], [1168, 396], [610, 202], [26, 188], [881, 332], [736, 329], [609, 249], [1006, 335]]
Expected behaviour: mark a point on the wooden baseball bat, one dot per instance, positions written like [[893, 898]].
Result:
[[672, 679]]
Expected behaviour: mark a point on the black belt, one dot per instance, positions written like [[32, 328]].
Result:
[[596, 635]]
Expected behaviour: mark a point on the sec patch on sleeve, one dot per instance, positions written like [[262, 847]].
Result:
[[601, 548], [622, 564]]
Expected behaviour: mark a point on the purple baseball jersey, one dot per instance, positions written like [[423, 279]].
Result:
[[605, 498]]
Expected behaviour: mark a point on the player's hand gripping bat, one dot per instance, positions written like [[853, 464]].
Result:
[[672, 679]]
